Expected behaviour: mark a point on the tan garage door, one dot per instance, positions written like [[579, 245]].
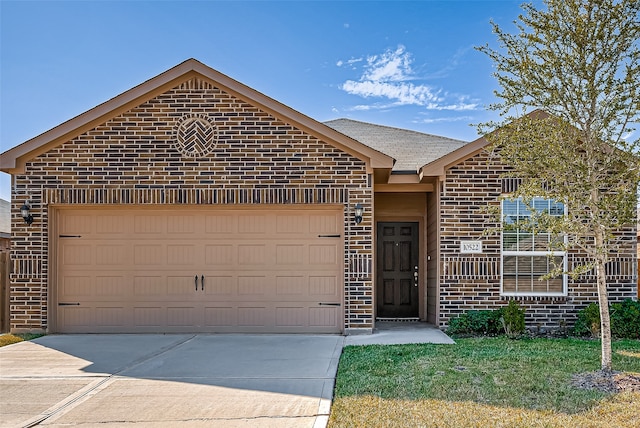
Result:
[[199, 270]]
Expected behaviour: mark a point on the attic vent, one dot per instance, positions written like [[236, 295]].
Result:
[[195, 136], [194, 84]]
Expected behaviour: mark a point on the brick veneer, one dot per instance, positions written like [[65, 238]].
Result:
[[133, 159], [472, 282]]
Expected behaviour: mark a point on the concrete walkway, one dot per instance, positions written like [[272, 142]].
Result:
[[169, 380], [400, 333]]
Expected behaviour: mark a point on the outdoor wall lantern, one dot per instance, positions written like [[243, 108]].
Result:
[[26, 215], [357, 213]]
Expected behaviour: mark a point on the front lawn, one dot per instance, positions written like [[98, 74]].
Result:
[[495, 382]]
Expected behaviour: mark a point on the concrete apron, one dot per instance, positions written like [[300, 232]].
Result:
[[166, 380]]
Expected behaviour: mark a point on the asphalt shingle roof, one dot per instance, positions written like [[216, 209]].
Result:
[[410, 149]]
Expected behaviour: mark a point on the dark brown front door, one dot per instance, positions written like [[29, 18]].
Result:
[[397, 270]]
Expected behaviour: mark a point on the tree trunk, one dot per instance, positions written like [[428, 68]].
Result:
[[603, 300]]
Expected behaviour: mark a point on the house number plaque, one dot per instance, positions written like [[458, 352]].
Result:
[[471, 247]]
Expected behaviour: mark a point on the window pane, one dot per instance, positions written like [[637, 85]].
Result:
[[541, 242], [555, 285], [509, 241], [509, 284], [524, 265], [539, 286], [541, 205], [540, 266], [557, 209], [523, 211], [509, 211], [525, 241], [509, 265]]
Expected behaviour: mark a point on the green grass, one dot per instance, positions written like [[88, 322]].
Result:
[[482, 375]]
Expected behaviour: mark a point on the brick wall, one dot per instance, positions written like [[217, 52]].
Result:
[[137, 158], [472, 281]]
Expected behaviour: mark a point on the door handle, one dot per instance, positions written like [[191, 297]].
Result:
[[415, 279], [202, 283], [196, 278]]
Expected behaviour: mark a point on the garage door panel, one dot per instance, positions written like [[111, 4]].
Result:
[[149, 287], [149, 224], [109, 316], [220, 254], [220, 284], [253, 223], [182, 225], [291, 224], [181, 316], [220, 316], [75, 254], [326, 316], [323, 254], [291, 285], [149, 254], [109, 285], [256, 285], [257, 271], [322, 286], [252, 254], [77, 223], [149, 316], [221, 225], [328, 224], [110, 255]]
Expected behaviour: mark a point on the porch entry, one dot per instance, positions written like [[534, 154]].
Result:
[[397, 270]]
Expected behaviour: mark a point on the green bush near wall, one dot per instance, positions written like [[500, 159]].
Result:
[[625, 320], [508, 320]]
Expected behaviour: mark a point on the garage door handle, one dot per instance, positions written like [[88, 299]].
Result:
[[328, 304], [68, 304], [202, 283], [196, 278]]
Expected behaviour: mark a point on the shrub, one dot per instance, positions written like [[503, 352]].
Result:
[[513, 319], [485, 322], [588, 322], [625, 320]]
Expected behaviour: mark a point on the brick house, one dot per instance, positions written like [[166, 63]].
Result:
[[193, 203]]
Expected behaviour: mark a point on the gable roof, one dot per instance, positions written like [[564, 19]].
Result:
[[410, 149], [14, 160], [437, 167]]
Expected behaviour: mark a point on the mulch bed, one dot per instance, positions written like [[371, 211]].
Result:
[[609, 382]]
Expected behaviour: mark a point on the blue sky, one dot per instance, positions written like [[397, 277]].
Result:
[[405, 64]]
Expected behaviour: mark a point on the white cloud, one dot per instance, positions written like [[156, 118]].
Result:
[[401, 93], [391, 66], [390, 76], [447, 119]]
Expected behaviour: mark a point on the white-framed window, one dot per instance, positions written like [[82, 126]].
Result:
[[527, 255]]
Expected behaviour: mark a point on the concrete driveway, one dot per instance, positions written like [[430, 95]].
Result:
[[166, 380]]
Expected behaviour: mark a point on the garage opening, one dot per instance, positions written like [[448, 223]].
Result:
[[246, 270]]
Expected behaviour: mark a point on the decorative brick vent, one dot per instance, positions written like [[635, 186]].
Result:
[[195, 136]]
